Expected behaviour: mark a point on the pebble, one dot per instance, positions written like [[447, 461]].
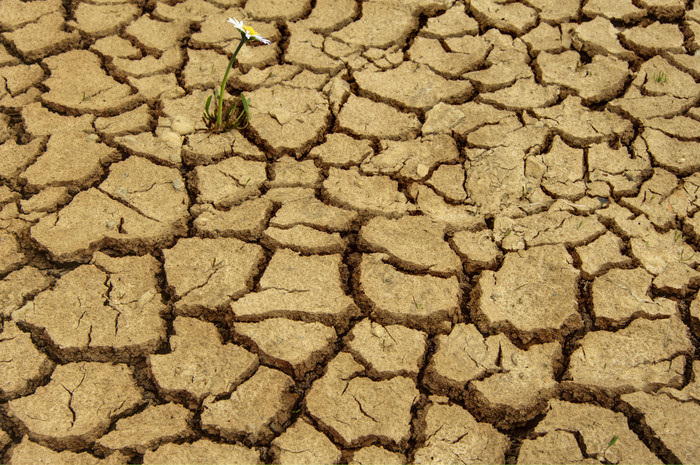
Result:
[[182, 125]]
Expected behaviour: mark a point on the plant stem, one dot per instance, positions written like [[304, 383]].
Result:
[[223, 83]]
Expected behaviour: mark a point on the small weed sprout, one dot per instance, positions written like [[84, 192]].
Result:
[[610, 444], [226, 117], [660, 77]]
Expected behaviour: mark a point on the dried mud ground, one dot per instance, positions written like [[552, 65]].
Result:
[[454, 232]]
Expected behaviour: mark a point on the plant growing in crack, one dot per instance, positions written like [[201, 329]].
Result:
[[228, 116]]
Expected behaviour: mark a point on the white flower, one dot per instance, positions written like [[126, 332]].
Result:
[[248, 31]]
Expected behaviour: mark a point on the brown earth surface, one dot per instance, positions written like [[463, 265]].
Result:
[[455, 231]]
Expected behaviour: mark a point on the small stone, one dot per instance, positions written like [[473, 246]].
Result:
[[182, 126]]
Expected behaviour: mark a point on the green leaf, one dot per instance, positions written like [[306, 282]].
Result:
[[612, 441], [206, 105]]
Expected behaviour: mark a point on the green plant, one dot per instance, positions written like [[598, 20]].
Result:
[[610, 444], [226, 117], [660, 77]]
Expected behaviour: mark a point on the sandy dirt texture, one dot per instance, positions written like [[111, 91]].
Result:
[[454, 231]]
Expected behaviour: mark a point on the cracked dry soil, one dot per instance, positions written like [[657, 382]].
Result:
[[454, 232]]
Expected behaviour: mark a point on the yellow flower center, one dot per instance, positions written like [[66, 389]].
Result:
[[250, 30]]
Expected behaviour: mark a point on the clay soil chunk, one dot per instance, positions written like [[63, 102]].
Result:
[[477, 250], [277, 10], [312, 212], [498, 182], [16, 13], [149, 428], [288, 119], [199, 365], [111, 307], [381, 25], [375, 195], [656, 252], [412, 159], [565, 171], [28, 452], [622, 10], [330, 15], [595, 426], [388, 350], [153, 211], [414, 242], [22, 365], [548, 228], [655, 354], [304, 239], [452, 435], [461, 119], [103, 20], [514, 18], [525, 94], [295, 347], [409, 299], [601, 254], [673, 422], [202, 452], [78, 84], [71, 159], [532, 295], [621, 170], [412, 86], [555, 447], [386, 122], [580, 127], [19, 286], [207, 273], [654, 39], [305, 49], [39, 121], [156, 36], [306, 288], [287, 172], [302, 444], [64, 412], [468, 53], [506, 384], [601, 79], [256, 409], [455, 22], [679, 156], [246, 221], [655, 199], [599, 37], [620, 295], [341, 150], [130, 122], [229, 182], [374, 454], [38, 39], [158, 149], [357, 410], [14, 158]]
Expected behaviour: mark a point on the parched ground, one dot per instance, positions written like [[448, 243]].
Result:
[[454, 232]]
